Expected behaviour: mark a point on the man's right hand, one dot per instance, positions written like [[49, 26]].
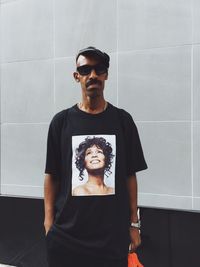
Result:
[[47, 225]]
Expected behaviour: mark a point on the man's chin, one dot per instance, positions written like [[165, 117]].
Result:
[[93, 93]]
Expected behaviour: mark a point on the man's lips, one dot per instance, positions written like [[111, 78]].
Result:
[[92, 86]]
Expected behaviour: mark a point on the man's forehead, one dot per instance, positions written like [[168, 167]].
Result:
[[86, 60]]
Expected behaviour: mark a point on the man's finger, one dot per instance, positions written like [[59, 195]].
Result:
[[132, 248]]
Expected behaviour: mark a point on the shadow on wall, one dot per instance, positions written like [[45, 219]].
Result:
[[169, 238], [22, 242]]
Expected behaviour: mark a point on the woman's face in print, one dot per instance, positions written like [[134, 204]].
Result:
[[94, 158]]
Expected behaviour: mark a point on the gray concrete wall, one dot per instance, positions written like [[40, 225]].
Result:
[[155, 61]]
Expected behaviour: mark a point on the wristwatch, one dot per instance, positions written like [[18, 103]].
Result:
[[136, 225]]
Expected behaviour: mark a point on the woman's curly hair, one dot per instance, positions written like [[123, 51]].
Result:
[[101, 143]]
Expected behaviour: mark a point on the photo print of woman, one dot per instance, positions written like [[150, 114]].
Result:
[[93, 170]]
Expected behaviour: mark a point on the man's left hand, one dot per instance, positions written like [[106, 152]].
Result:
[[135, 239]]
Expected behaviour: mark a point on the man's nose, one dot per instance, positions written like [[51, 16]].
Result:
[[93, 74]]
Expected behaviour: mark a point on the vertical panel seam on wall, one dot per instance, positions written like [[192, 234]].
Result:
[[117, 54], [54, 54], [192, 108]]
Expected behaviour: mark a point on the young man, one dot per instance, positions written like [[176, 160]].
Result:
[[91, 229]]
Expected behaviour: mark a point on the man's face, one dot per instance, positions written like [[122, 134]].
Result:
[[93, 83], [94, 158]]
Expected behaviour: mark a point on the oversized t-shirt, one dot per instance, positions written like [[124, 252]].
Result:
[[92, 156]]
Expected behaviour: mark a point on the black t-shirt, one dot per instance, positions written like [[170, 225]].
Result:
[[92, 156]]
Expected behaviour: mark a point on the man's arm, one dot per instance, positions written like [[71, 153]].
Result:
[[51, 188], [134, 232]]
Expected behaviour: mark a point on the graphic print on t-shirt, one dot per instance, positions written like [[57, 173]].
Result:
[[93, 165]]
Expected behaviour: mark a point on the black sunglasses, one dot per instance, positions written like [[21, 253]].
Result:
[[86, 69]]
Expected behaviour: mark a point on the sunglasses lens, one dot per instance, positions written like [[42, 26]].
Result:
[[100, 69], [84, 70]]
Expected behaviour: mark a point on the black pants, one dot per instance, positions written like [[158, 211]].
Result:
[[58, 256]]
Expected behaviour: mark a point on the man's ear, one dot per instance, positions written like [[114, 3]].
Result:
[[76, 77]]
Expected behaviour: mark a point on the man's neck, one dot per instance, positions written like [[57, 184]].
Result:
[[93, 105]]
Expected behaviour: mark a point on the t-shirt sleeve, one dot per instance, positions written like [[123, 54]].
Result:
[[53, 153], [134, 152]]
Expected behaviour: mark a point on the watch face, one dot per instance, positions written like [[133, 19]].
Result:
[[136, 225]]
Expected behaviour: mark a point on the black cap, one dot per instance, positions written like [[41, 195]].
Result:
[[96, 52]]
